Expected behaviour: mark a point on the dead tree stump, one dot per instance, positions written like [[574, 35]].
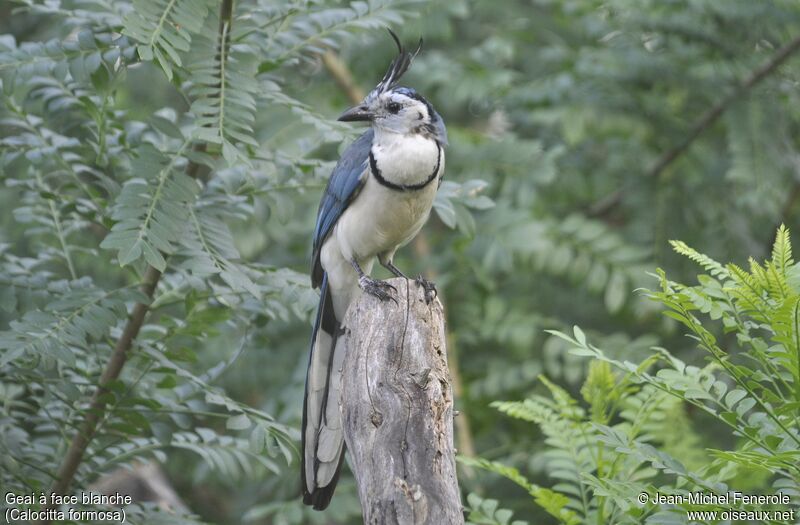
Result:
[[397, 405]]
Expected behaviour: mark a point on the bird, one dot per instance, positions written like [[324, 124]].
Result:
[[377, 199]]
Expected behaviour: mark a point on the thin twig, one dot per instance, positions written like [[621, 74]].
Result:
[[341, 74], [708, 118], [97, 406], [711, 116], [77, 448]]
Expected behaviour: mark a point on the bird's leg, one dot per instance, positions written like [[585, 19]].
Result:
[[379, 289], [389, 265], [430, 288]]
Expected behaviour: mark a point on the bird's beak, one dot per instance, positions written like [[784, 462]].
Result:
[[356, 114]]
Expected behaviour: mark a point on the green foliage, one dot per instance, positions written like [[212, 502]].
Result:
[[79, 314], [576, 455], [224, 89], [141, 124], [151, 210], [308, 28], [96, 183], [165, 29], [485, 512], [552, 502], [625, 444]]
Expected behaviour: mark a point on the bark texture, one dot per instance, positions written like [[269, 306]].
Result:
[[397, 404]]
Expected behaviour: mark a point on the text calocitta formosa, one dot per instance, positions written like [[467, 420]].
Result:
[[378, 198]]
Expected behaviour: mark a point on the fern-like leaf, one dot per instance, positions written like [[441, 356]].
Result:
[[314, 30], [552, 502], [164, 29], [224, 89], [529, 410], [82, 55], [152, 209], [232, 457], [708, 264], [782, 250], [80, 313], [209, 250], [486, 512]]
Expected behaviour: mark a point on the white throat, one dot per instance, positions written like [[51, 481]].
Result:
[[405, 159]]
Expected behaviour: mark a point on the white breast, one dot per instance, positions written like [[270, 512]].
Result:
[[405, 159], [381, 218]]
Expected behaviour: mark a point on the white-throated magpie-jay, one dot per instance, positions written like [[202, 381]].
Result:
[[378, 198]]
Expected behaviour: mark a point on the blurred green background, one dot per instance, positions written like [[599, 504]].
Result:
[[555, 210]]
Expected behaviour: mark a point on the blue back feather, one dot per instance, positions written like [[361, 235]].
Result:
[[344, 184]]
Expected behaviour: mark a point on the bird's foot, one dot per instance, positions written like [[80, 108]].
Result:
[[430, 288], [379, 289]]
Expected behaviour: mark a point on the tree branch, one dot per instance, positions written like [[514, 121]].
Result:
[[397, 408], [341, 74], [705, 121], [77, 448], [97, 406], [466, 444], [711, 116]]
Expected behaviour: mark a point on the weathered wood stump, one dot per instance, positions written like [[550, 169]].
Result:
[[397, 405]]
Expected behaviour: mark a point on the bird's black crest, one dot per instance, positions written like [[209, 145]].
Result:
[[397, 68]]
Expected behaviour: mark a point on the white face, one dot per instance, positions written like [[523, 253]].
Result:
[[400, 113]]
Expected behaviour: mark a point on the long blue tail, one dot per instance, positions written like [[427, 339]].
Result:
[[322, 434]]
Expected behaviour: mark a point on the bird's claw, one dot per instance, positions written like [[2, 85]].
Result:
[[430, 289], [379, 289]]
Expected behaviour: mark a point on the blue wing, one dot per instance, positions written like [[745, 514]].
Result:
[[345, 183]]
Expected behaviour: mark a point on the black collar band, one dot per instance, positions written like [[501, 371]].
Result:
[[405, 187]]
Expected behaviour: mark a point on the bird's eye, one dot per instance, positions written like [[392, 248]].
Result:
[[393, 107]]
